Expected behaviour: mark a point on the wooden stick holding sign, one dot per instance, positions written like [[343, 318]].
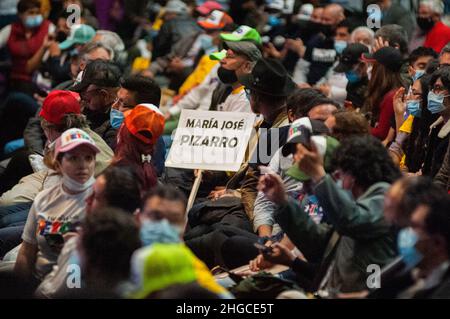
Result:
[[194, 190]]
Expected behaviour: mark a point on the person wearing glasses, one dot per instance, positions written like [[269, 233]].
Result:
[[135, 90], [438, 103], [98, 91]]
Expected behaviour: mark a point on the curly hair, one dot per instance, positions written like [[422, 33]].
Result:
[[301, 101], [367, 160], [349, 123], [68, 121]]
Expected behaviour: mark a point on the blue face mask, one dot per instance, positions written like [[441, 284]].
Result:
[[413, 108], [74, 52], [418, 74], [340, 46], [406, 242], [160, 231], [436, 102], [273, 21], [116, 118], [352, 77], [33, 21]]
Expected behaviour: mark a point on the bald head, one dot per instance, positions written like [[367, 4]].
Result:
[[333, 14]]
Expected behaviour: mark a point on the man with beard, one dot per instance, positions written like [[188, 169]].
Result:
[[241, 54], [98, 91]]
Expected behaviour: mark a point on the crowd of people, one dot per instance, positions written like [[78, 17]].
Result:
[[356, 101]]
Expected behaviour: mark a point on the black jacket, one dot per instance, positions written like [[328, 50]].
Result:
[[392, 288], [171, 32]]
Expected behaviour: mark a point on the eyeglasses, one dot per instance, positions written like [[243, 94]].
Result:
[[121, 103]]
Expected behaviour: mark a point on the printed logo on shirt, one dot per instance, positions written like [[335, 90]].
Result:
[[213, 80], [323, 55], [311, 207], [49, 226]]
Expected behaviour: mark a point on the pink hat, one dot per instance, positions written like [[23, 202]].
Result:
[[71, 139], [209, 6]]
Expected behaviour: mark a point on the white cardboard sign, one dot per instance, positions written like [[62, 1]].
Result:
[[210, 140]]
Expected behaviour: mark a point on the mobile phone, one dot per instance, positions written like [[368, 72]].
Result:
[[54, 240], [306, 133], [263, 249]]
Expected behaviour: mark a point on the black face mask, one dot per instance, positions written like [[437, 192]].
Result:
[[60, 36], [314, 26], [227, 76], [425, 23], [327, 30]]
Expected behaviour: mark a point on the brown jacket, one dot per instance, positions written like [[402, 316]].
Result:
[[248, 175]]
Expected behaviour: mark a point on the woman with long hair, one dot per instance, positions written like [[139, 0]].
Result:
[[384, 82], [439, 131], [415, 145], [408, 149], [136, 142]]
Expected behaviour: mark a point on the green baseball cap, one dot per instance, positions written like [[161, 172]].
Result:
[[159, 266], [79, 34], [218, 55], [326, 146], [243, 33]]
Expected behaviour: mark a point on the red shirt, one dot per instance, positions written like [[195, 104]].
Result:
[[23, 49], [438, 37], [381, 130]]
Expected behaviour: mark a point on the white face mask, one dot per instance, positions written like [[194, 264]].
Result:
[[75, 186], [369, 71], [79, 77]]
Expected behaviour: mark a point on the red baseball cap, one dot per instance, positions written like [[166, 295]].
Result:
[[209, 6], [216, 20], [146, 122], [59, 103]]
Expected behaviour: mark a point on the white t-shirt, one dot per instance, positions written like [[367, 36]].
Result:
[[199, 98], [236, 102], [53, 212], [55, 283]]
